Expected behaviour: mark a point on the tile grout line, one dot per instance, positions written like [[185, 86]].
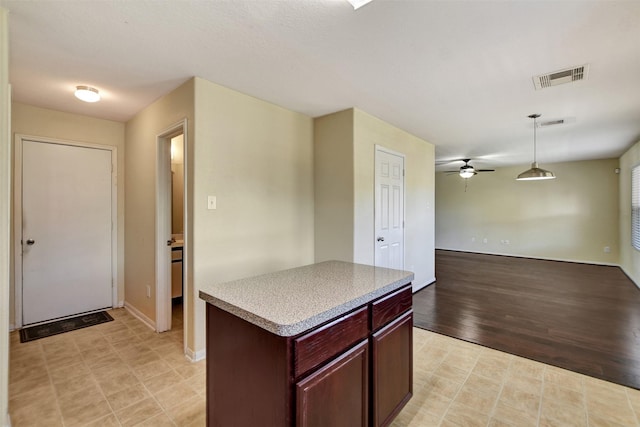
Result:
[[460, 388], [542, 386], [502, 383], [633, 410]]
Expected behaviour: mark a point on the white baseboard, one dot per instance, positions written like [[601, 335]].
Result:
[[630, 277], [140, 316], [609, 264], [12, 327], [416, 288], [120, 304], [195, 356]]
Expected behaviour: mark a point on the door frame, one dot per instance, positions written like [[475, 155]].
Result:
[[379, 148], [17, 210], [163, 229]]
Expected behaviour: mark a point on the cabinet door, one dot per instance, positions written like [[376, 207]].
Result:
[[337, 394], [392, 354]]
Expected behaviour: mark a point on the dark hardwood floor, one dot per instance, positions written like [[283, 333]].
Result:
[[581, 317]]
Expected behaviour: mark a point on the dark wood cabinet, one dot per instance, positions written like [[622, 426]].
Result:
[[337, 394], [392, 362], [354, 370]]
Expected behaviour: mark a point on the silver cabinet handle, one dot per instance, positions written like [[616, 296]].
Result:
[[380, 239], [30, 242]]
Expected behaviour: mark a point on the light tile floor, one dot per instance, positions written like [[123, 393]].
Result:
[[123, 374], [456, 383]]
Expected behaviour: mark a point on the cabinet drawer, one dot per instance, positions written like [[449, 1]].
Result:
[[388, 308], [320, 345]]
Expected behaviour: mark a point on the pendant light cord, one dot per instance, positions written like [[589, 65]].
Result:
[[535, 159], [535, 150]]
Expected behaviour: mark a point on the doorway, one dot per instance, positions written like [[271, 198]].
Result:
[[389, 209], [177, 230], [65, 229], [172, 290]]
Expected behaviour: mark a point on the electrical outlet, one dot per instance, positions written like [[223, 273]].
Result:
[[485, 240], [148, 291], [607, 250], [473, 239]]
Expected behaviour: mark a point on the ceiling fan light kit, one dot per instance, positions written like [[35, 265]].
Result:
[[535, 173], [467, 171]]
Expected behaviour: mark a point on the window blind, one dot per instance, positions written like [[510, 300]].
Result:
[[635, 207]]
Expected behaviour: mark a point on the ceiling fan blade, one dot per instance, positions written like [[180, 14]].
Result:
[[485, 170]]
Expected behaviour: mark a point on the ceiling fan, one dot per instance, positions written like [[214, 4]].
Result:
[[467, 171]]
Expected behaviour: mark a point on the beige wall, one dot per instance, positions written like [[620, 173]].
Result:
[[141, 134], [333, 183], [419, 256], [345, 152], [177, 185], [5, 216], [34, 121], [257, 159], [572, 217], [629, 256]]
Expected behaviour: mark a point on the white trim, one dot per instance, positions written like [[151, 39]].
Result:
[[390, 151], [629, 276], [139, 315], [196, 356], [163, 230], [17, 212], [377, 148], [417, 288], [607, 264]]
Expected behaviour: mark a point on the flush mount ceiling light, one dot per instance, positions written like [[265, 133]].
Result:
[[358, 3], [535, 173], [87, 94]]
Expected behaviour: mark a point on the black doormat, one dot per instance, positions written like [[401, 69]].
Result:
[[61, 326]]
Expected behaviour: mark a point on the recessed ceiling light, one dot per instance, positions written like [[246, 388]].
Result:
[[87, 94], [358, 3]]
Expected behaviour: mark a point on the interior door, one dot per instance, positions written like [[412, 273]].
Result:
[[389, 209], [66, 230]]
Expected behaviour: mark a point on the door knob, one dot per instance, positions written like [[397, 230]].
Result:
[[380, 239], [30, 242], [171, 242]]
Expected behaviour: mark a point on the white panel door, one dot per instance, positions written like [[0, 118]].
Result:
[[66, 230], [389, 210]]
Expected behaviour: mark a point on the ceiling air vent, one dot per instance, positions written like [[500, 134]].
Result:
[[561, 77]]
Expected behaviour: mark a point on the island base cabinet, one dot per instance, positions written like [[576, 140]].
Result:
[[247, 371], [354, 370], [392, 360], [337, 394]]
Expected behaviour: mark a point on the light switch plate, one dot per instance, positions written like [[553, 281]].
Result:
[[211, 202]]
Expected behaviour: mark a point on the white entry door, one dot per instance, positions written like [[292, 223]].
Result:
[[389, 209], [66, 230]]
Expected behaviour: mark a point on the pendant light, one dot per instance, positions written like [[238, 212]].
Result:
[[535, 173]]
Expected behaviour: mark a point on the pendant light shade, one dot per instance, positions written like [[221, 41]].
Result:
[[535, 173]]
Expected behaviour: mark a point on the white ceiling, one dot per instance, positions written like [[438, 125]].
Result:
[[455, 73]]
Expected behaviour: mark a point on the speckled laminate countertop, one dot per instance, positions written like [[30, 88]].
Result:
[[289, 302]]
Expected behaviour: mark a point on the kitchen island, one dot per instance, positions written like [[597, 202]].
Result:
[[328, 344]]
